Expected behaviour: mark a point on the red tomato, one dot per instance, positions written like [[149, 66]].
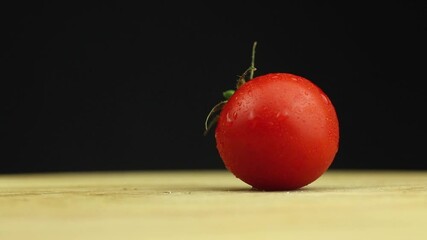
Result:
[[278, 131]]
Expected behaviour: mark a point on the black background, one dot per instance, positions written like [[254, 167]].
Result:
[[127, 86]]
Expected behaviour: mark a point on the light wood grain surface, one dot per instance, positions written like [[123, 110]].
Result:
[[211, 205]]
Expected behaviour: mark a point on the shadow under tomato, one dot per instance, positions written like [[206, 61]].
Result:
[[249, 189]]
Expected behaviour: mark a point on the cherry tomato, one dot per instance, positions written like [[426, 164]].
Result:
[[278, 131]]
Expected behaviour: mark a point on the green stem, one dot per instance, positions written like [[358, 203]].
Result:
[[253, 61], [208, 122]]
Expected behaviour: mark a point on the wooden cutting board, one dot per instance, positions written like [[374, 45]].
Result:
[[211, 205]]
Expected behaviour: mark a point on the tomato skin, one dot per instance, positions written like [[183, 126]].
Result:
[[278, 131]]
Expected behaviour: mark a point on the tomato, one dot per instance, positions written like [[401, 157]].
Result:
[[278, 131]]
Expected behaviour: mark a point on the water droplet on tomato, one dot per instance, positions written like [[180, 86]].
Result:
[[325, 98], [234, 115], [251, 115], [228, 117], [283, 114]]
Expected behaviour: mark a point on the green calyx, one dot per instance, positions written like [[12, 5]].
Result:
[[210, 122], [227, 94]]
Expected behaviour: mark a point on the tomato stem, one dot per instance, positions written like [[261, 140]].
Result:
[[253, 61], [209, 124], [209, 121], [242, 79]]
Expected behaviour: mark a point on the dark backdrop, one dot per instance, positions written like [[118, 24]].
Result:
[[127, 86]]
